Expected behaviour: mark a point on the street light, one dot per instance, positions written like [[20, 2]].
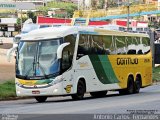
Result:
[[128, 13], [118, 3], [21, 19]]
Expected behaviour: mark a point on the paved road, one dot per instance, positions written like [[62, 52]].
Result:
[[147, 99]]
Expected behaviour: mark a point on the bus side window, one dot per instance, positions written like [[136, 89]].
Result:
[[131, 47], [140, 52], [131, 51], [66, 63], [68, 51], [121, 45], [82, 46], [81, 51], [146, 45]]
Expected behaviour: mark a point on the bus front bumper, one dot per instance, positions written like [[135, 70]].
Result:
[[52, 90]]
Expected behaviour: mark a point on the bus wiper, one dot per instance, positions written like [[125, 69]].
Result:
[[22, 77], [30, 68], [34, 66], [39, 65], [52, 75], [42, 69]]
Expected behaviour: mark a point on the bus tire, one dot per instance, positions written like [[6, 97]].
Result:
[[98, 94], [81, 89], [137, 85], [122, 92], [130, 87], [41, 99]]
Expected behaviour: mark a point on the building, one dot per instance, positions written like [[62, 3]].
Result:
[[37, 3], [7, 26], [150, 1]]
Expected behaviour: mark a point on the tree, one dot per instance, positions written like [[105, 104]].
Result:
[[32, 16], [94, 4], [112, 3], [19, 20], [101, 4], [69, 7]]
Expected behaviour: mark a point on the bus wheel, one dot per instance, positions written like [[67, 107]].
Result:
[[130, 86], [137, 85], [122, 91], [81, 89], [98, 94], [41, 99]]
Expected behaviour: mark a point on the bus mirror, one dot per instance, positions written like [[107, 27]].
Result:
[[60, 49], [10, 51]]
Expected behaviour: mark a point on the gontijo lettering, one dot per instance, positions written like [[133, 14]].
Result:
[[127, 61]]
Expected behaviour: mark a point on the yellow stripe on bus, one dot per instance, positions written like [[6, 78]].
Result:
[[27, 82]]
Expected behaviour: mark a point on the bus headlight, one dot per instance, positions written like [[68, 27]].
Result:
[[18, 84], [55, 90], [58, 79], [18, 92]]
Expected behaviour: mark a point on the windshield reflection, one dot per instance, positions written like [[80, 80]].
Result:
[[38, 59]]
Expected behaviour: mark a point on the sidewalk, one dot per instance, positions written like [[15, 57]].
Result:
[[7, 69]]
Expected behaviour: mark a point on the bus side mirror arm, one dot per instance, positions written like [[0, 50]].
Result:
[[10, 51], [60, 49]]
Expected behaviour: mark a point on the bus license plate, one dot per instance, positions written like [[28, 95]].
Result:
[[36, 92]]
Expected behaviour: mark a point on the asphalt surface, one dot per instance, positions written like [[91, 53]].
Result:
[[148, 100]]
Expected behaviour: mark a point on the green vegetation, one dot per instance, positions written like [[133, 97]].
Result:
[[101, 4], [69, 7], [7, 90], [154, 24], [19, 20], [156, 73], [32, 15]]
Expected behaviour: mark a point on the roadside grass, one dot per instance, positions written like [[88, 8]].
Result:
[[156, 74], [7, 90]]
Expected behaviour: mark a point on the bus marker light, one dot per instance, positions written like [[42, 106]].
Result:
[[18, 92], [55, 90]]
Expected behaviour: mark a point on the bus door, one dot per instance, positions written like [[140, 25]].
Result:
[[66, 66]]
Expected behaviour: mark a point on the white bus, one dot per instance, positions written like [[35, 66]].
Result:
[[72, 60]]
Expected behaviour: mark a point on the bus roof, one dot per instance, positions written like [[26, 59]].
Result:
[[62, 31]]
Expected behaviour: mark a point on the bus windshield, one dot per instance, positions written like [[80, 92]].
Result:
[[37, 59]]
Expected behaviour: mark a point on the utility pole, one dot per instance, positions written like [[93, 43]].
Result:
[[128, 12], [158, 4], [78, 5], [21, 19], [118, 3], [152, 38]]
